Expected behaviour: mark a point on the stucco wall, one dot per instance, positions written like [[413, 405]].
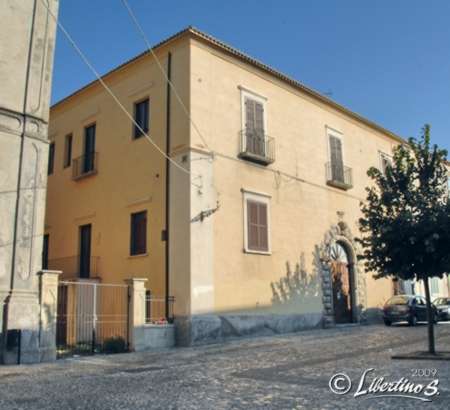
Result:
[[303, 208], [131, 173]]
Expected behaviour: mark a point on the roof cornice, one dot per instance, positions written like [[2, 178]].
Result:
[[208, 39]]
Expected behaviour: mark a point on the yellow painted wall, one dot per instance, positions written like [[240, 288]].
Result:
[[131, 178], [301, 211], [131, 173]]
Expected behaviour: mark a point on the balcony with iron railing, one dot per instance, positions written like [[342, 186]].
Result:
[[85, 165], [75, 267], [155, 309], [257, 147], [339, 176]]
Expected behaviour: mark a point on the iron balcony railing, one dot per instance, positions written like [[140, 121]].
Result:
[[85, 165], [339, 175], [256, 146], [76, 266], [155, 309]]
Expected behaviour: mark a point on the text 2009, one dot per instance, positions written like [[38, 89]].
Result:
[[424, 372]]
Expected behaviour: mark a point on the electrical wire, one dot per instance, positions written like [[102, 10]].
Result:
[[150, 48], [110, 92]]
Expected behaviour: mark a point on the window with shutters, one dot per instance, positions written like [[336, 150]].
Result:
[[338, 175], [256, 145], [385, 161], [256, 223], [138, 242], [141, 117], [86, 164], [336, 159]]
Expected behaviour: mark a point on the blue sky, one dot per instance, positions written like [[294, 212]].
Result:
[[387, 60]]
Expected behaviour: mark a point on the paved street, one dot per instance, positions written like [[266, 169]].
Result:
[[286, 372]]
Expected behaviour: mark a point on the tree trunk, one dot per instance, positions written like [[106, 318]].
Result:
[[430, 317]]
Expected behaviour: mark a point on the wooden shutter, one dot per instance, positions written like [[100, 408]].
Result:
[[252, 225], [263, 228], [254, 126], [257, 226], [337, 163], [249, 115], [259, 118]]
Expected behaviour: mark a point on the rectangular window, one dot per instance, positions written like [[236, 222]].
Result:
[[138, 242], [336, 158], [51, 158], [256, 208], [85, 235], [68, 151], [89, 148], [386, 161], [254, 126], [141, 116]]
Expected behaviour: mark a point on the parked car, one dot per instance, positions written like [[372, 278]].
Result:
[[443, 308], [409, 308]]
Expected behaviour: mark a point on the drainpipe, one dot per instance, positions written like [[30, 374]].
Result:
[[169, 76]]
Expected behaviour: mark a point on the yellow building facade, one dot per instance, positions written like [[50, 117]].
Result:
[[263, 216]]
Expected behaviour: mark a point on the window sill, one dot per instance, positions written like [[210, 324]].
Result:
[[139, 137], [259, 159], [266, 253], [141, 255], [340, 185], [84, 175]]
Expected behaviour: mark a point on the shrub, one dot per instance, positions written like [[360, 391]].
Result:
[[115, 344]]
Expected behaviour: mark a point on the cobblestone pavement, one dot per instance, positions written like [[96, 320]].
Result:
[[284, 372]]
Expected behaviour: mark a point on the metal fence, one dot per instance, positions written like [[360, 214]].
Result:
[[85, 165], [257, 146], [70, 266], [155, 309], [339, 175], [92, 317]]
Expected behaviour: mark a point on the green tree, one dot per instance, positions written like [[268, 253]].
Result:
[[406, 218]]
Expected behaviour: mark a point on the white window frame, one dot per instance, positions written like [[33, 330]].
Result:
[[448, 183], [381, 156], [337, 134], [246, 93], [262, 198]]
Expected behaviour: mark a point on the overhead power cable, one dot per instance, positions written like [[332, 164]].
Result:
[[110, 92], [150, 48]]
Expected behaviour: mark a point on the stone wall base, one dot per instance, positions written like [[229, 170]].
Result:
[[21, 340], [372, 316], [149, 337], [206, 329]]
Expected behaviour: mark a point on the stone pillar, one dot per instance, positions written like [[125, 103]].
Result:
[[49, 304], [136, 314], [27, 38]]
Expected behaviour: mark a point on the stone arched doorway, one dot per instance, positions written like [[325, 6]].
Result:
[[342, 283], [346, 256]]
